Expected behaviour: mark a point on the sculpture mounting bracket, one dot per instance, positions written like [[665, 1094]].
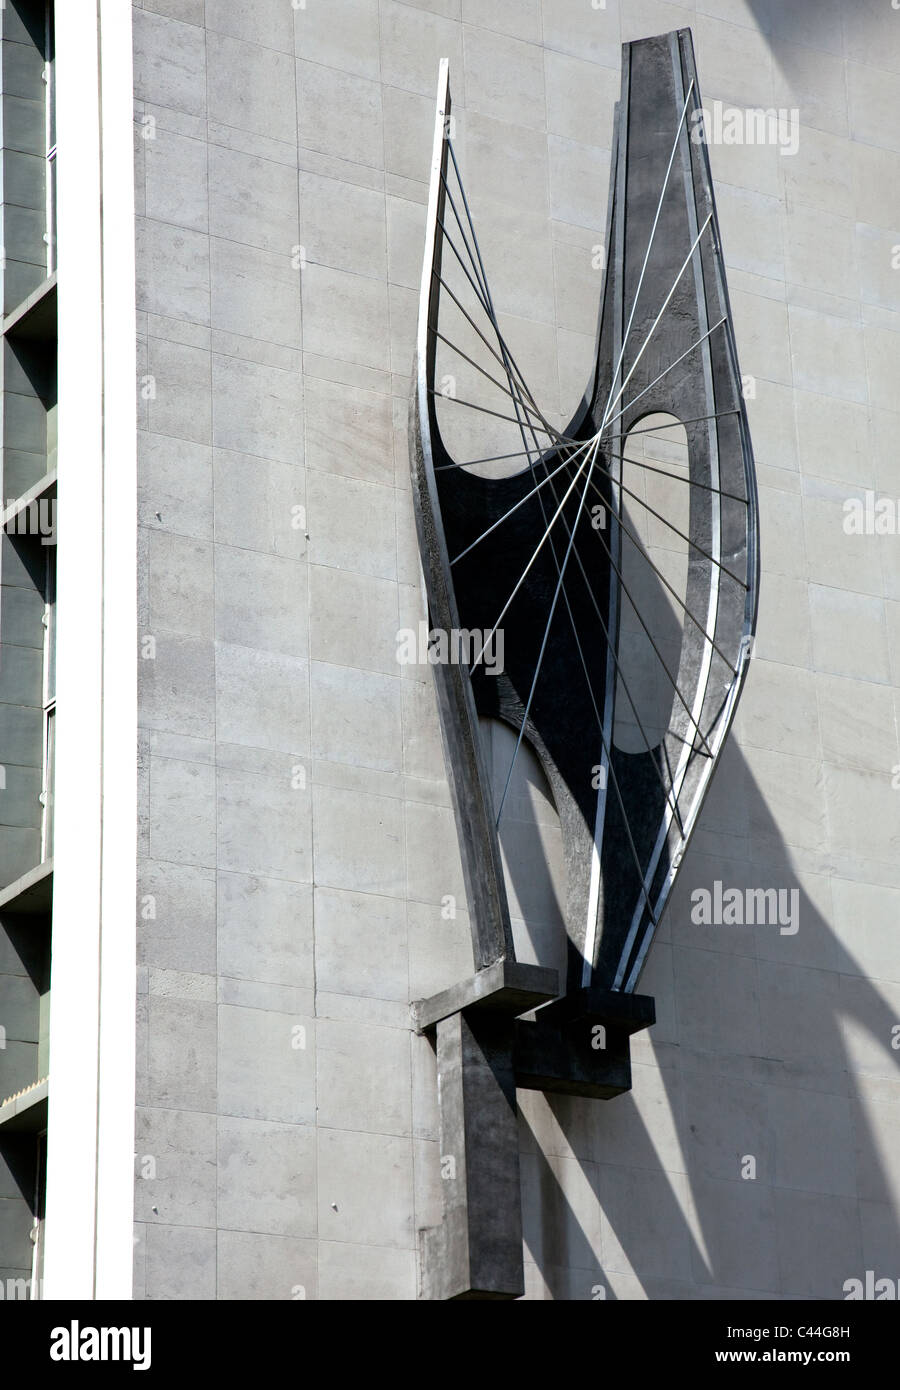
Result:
[[575, 1045]]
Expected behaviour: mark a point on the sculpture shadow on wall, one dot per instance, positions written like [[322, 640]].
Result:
[[746, 1162]]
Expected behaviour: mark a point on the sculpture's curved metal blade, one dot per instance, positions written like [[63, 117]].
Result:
[[540, 552]]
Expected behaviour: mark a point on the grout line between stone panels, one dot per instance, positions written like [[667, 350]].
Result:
[[183, 227], [232, 357], [211, 328], [220, 448]]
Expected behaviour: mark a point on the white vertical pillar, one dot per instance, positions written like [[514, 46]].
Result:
[[92, 1022], [118, 884]]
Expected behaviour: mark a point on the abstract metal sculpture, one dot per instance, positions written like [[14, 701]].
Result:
[[540, 542]]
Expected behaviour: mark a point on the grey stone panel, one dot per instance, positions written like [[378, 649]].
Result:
[[25, 423], [263, 823], [802, 1161], [412, 46], [357, 717], [178, 686], [145, 387], [498, 164], [180, 1262], [269, 24], [22, 63], [23, 125], [262, 699], [168, 896], [257, 410], [182, 812], [251, 87], [188, 11], [352, 525], [260, 994], [182, 1053], [255, 293], [359, 842], [348, 431], [174, 279], [23, 184], [21, 667], [365, 1273], [19, 804], [175, 1167], [877, 1223], [642, 1224], [342, 226], [570, 1231], [19, 1008], [252, 200], [175, 486], [407, 135], [266, 1065], [377, 1214], [175, 182], [20, 850], [21, 470], [361, 944], [259, 601], [181, 585], [353, 620], [345, 316], [731, 1211], [178, 400], [259, 505], [265, 930], [21, 727], [363, 1078], [266, 1175], [169, 63], [273, 1268], [504, 78], [326, 100], [22, 277], [345, 39], [819, 1243], [139, 1264], [142, 1045]]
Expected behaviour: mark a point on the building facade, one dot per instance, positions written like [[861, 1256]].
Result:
[[231, 863]]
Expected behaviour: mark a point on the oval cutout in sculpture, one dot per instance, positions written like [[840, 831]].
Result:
[[655, 522]]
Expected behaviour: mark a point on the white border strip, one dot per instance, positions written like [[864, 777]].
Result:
[[115, 1129], [92, 1037]]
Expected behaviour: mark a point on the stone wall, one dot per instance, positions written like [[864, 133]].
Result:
[[297, 840]]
